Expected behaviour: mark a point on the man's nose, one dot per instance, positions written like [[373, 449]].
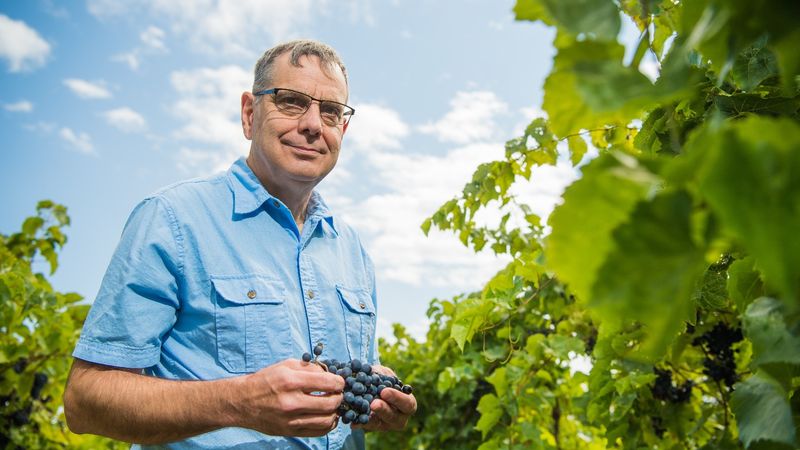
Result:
[[311, 121]]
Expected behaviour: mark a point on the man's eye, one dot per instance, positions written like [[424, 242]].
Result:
[[331, 110], [293, 101]]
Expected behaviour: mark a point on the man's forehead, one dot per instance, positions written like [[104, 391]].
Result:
[[284, 70], [331, 69]]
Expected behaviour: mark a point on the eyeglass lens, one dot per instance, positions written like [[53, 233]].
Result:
[[296, 103]]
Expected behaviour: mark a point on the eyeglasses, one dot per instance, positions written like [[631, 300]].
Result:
[[295, 104]]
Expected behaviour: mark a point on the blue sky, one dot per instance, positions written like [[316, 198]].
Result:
[[103, 102]]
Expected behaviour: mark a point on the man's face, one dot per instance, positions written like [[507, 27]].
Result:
[[294, 153]]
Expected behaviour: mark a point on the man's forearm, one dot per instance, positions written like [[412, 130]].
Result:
[[136, 408]]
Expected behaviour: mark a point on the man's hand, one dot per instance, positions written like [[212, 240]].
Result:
[[392, 410], [291, 398]]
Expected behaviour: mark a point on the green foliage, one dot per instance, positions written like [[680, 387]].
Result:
[[672, 265], [38, 330]]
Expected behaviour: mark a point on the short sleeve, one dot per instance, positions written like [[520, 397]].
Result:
[[138, 298]]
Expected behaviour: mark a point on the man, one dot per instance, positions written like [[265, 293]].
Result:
[[219, 284]]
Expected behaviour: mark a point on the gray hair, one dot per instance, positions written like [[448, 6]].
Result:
[[265, 66]]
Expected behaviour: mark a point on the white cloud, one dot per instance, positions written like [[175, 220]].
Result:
[[41, 127], [471, 118], [497, 25], [415, 186], [208, 104], [87, 89], [130, 58], [20, 106], [56, 11], [152, 40], [202, 162], [412, 187], [108, 8], [125, 119], [81, 142], [21, 45], [217, 25], [153, 37], [375, 126]]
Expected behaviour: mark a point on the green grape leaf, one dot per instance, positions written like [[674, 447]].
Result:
[[650, 274], [532, 10], [788, 59], [491, 412], [470, 315], [445, 380], [499, 381], [597, 19], [426, 226], [744, 283], [713, 290], [560, 346], [748, 174], [32, 225], [593, 206], [772, 342], [577, 148], [739, 104], [763, 413], [647, 140], [754, 65]]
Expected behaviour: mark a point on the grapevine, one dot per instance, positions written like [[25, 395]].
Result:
[[671, 269]]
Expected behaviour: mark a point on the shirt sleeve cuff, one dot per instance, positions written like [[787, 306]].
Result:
[[116, 355]]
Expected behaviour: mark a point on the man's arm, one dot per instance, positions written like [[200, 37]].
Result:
[[126, 405]]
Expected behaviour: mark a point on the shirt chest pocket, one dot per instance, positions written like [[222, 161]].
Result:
[[359, 319], [252, 322]]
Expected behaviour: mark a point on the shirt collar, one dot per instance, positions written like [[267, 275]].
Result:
[[318, 207], [249, 195]]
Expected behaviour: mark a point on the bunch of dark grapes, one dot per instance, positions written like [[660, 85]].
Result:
[[361, 385], [719, 363], [664, 389]]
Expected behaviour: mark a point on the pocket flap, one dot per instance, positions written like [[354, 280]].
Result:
[[249, 290], [357, 300]]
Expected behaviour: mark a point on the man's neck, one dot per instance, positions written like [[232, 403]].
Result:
[[295, 196]]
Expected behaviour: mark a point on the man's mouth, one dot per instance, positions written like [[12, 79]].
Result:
[[303, 148]]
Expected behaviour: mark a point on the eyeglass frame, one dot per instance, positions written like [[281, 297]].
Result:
[[345, 117]]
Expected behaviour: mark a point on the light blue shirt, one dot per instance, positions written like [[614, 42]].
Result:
[[211, 279]]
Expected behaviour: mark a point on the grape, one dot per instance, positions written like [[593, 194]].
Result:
[[22, 417], [20, 365], [664, 389], [39, 380], [362, 386], [719, 363]]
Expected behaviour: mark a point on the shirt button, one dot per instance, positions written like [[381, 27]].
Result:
[[310, 294], [275, 202], [362, 305], [251, 294]]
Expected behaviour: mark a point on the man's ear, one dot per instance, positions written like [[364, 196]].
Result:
[[247, 106], [344, 128]]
